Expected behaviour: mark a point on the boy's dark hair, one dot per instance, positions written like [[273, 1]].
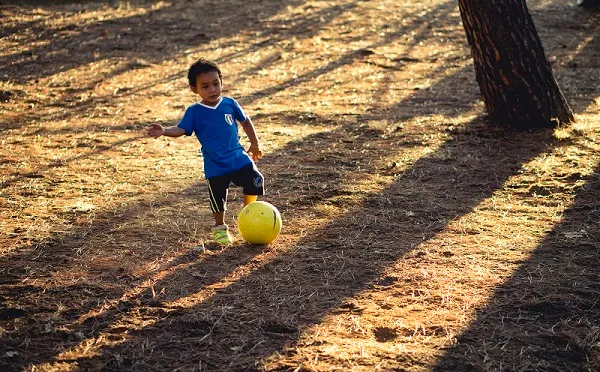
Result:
[[201, 66]]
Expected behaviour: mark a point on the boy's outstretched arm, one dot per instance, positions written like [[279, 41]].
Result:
[[157, 130], [254, 148]]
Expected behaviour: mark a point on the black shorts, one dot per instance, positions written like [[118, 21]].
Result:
[[247, 177]]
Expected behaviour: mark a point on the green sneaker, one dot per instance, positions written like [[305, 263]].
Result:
[[222, 235]]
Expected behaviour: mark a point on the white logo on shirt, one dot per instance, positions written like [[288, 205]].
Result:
[[229, 119]]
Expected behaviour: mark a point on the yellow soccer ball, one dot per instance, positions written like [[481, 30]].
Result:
[[259, 223]]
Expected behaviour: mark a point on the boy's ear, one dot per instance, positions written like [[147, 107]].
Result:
[[193, 88]]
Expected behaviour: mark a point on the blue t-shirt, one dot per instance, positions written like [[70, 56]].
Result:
[[217, 130]]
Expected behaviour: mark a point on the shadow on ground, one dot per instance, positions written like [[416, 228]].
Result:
[[547, 315], [232, 323], [264, 310]]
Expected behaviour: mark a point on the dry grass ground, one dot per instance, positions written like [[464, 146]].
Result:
[[415, 237]]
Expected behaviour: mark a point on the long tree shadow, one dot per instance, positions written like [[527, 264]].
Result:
[[580, 84], [128, 32], [574, 50], [96, 306], [349, 148], [127, 36], [304, 28], [265, 310], [414, 27], [547, 315], [128, 40], [108, 278], [437, 12], [40, 171]]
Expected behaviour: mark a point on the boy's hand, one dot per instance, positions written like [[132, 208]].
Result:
[[254, 150], [155, 130]]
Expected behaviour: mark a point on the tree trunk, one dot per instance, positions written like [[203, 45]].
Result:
[[514, 76], [590, 4]]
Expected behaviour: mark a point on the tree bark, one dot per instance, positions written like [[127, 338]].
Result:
[[513, 73]]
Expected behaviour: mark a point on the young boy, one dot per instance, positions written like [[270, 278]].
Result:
[[214, 122]]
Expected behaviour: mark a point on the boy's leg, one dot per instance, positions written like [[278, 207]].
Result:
[[252, 182], [217, 193], [217, 189], [249, 199], [219, 218]]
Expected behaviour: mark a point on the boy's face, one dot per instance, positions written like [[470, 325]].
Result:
[[208, 87]]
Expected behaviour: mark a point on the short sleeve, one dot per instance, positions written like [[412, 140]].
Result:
[[240, 115], [187, 122]]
